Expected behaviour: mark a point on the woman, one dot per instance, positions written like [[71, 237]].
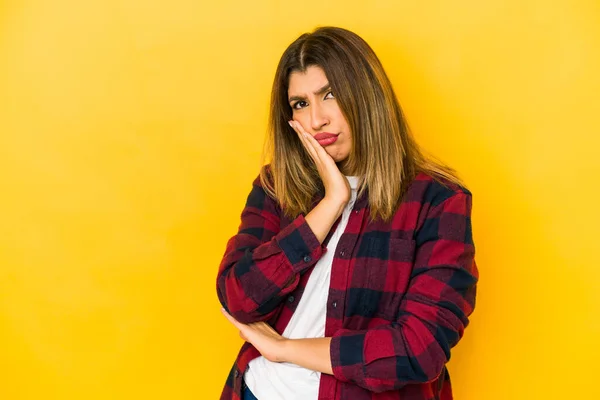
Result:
[[352, 274]]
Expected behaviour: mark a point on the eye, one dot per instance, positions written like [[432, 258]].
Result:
[[330, 95], [299, 104]]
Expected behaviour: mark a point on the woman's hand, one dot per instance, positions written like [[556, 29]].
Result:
[[260, 334], [312, 353], [336, 185]]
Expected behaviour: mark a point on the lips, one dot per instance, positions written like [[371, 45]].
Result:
[[325, 139], [325, 135]]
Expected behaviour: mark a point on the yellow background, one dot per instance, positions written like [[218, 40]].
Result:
[[130, 132]]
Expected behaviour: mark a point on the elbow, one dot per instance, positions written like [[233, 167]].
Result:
[[246, 317], [235, 308], [243, 310]]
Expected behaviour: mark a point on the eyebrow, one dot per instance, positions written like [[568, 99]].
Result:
[[318, 92]]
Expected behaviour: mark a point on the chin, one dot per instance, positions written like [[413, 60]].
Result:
[[337, 157]]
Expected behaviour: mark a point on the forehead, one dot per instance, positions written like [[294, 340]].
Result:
[[307, 82]]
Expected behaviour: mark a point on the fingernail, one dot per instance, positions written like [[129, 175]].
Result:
[[290, 122]]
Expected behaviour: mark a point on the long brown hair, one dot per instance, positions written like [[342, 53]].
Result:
[[384, 154]]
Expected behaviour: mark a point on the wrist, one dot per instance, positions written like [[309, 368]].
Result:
[[284, 350], [334, 204]]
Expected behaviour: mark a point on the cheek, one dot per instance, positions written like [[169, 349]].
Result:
[[348, 142], [348, 146], [302, 118], [343, 122]]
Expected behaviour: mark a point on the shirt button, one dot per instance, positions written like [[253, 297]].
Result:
[[307, 259], [291, 299], [334, 304]]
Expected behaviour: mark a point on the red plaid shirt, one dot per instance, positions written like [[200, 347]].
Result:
[[399, 298]]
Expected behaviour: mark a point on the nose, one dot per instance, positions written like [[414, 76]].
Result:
[[318, 117]]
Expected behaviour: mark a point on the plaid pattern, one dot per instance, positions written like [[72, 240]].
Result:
[[400, 292]]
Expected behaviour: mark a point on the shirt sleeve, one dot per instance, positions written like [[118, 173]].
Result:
[[433, 314], [262, 264]]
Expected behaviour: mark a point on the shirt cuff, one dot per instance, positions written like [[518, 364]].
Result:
[[346, 352], [300, 245]]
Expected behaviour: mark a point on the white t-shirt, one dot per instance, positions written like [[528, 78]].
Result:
[[276, 381]]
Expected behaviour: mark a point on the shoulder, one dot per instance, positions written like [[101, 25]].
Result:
[[261, 196], [265, 176], [444, 210], [432, 191], [263, 182]]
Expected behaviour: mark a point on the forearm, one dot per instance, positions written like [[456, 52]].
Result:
[[311, 354], [323, 216], [254, 276]]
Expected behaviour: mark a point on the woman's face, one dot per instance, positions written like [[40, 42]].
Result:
[[314, 106]]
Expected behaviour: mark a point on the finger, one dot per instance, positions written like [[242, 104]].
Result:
[[300, 129], [267, 329], [231, 319], [303, 135], [314, 144], [320, 150], [323, 160]]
